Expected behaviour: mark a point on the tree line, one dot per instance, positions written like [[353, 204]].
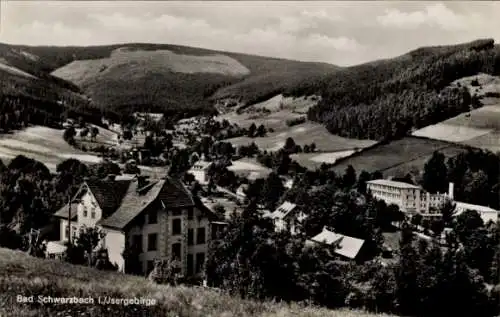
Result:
[[387, 99]]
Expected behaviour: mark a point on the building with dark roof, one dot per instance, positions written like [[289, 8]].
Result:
[[160, 218]]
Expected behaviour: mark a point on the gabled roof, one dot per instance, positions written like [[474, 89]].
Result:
[[347, 246], [64, 211], [386, 182], [282, 211], [108, 193], [167, 191]]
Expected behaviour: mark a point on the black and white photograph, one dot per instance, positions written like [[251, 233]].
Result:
[[249, 158]]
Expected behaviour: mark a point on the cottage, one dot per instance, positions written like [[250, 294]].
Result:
[[159, 218], [348, 248], [286, 217]]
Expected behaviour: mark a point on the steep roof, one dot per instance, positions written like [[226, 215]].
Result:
[[108, 193], [64, 211], [167, 191], [347, 246]]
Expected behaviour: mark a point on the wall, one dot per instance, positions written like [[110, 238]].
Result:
[[145, 229]]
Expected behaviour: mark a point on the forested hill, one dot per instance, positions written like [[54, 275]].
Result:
[[161, 78], [388, 98]]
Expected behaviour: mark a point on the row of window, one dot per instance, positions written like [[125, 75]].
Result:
[[153, 215], [152, 244], [85, 213]]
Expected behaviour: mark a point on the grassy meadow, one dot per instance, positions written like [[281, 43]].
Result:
[[23, 275]]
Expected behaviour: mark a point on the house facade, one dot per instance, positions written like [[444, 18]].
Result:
[[200, 171], [160, 219], [410, 199]]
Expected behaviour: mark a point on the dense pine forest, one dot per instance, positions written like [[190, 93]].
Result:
[[388, 98]]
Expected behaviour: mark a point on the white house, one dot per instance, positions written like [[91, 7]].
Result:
[[159, 218], [286, 217], [200, 171]]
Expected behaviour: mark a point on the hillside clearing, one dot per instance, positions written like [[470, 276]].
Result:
[[42, 144], [304, 134], [140, 62], [315, 160], [478, 128], [23, 275], [399, 157], [13, 70]]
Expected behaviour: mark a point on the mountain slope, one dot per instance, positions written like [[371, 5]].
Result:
[[388, 98], [23, 275], [163, 77]]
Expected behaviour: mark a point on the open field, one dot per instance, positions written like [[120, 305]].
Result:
[[397, 157], [479, 127], [249, 168], [303, 134], [43, 144], [4, 66], [144, 62], [23, 275], [314, 160]]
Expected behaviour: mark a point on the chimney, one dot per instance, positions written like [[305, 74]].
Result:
[[451, 189]]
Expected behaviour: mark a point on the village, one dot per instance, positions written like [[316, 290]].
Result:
[[175, 214]]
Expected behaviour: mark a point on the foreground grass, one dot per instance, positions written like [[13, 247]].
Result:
[[23, 275]]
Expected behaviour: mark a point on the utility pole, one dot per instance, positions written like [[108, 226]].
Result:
[[69, 219]]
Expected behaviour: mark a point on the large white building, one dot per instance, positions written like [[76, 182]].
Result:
[[410, 199], [160, 218]]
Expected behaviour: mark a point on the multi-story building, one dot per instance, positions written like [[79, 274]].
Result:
[[410, 199], [160, 218]]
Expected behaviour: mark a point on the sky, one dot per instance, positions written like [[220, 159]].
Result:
[[341, 33]]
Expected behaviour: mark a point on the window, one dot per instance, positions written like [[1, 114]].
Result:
[[176, 227], [153, 217], [190, 214], [92, 214], [137, 242], [190, 236], [200, 261], [190, 264], [152, 239], [200, 238], [150, 266], [176, 251], [85, 212]]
